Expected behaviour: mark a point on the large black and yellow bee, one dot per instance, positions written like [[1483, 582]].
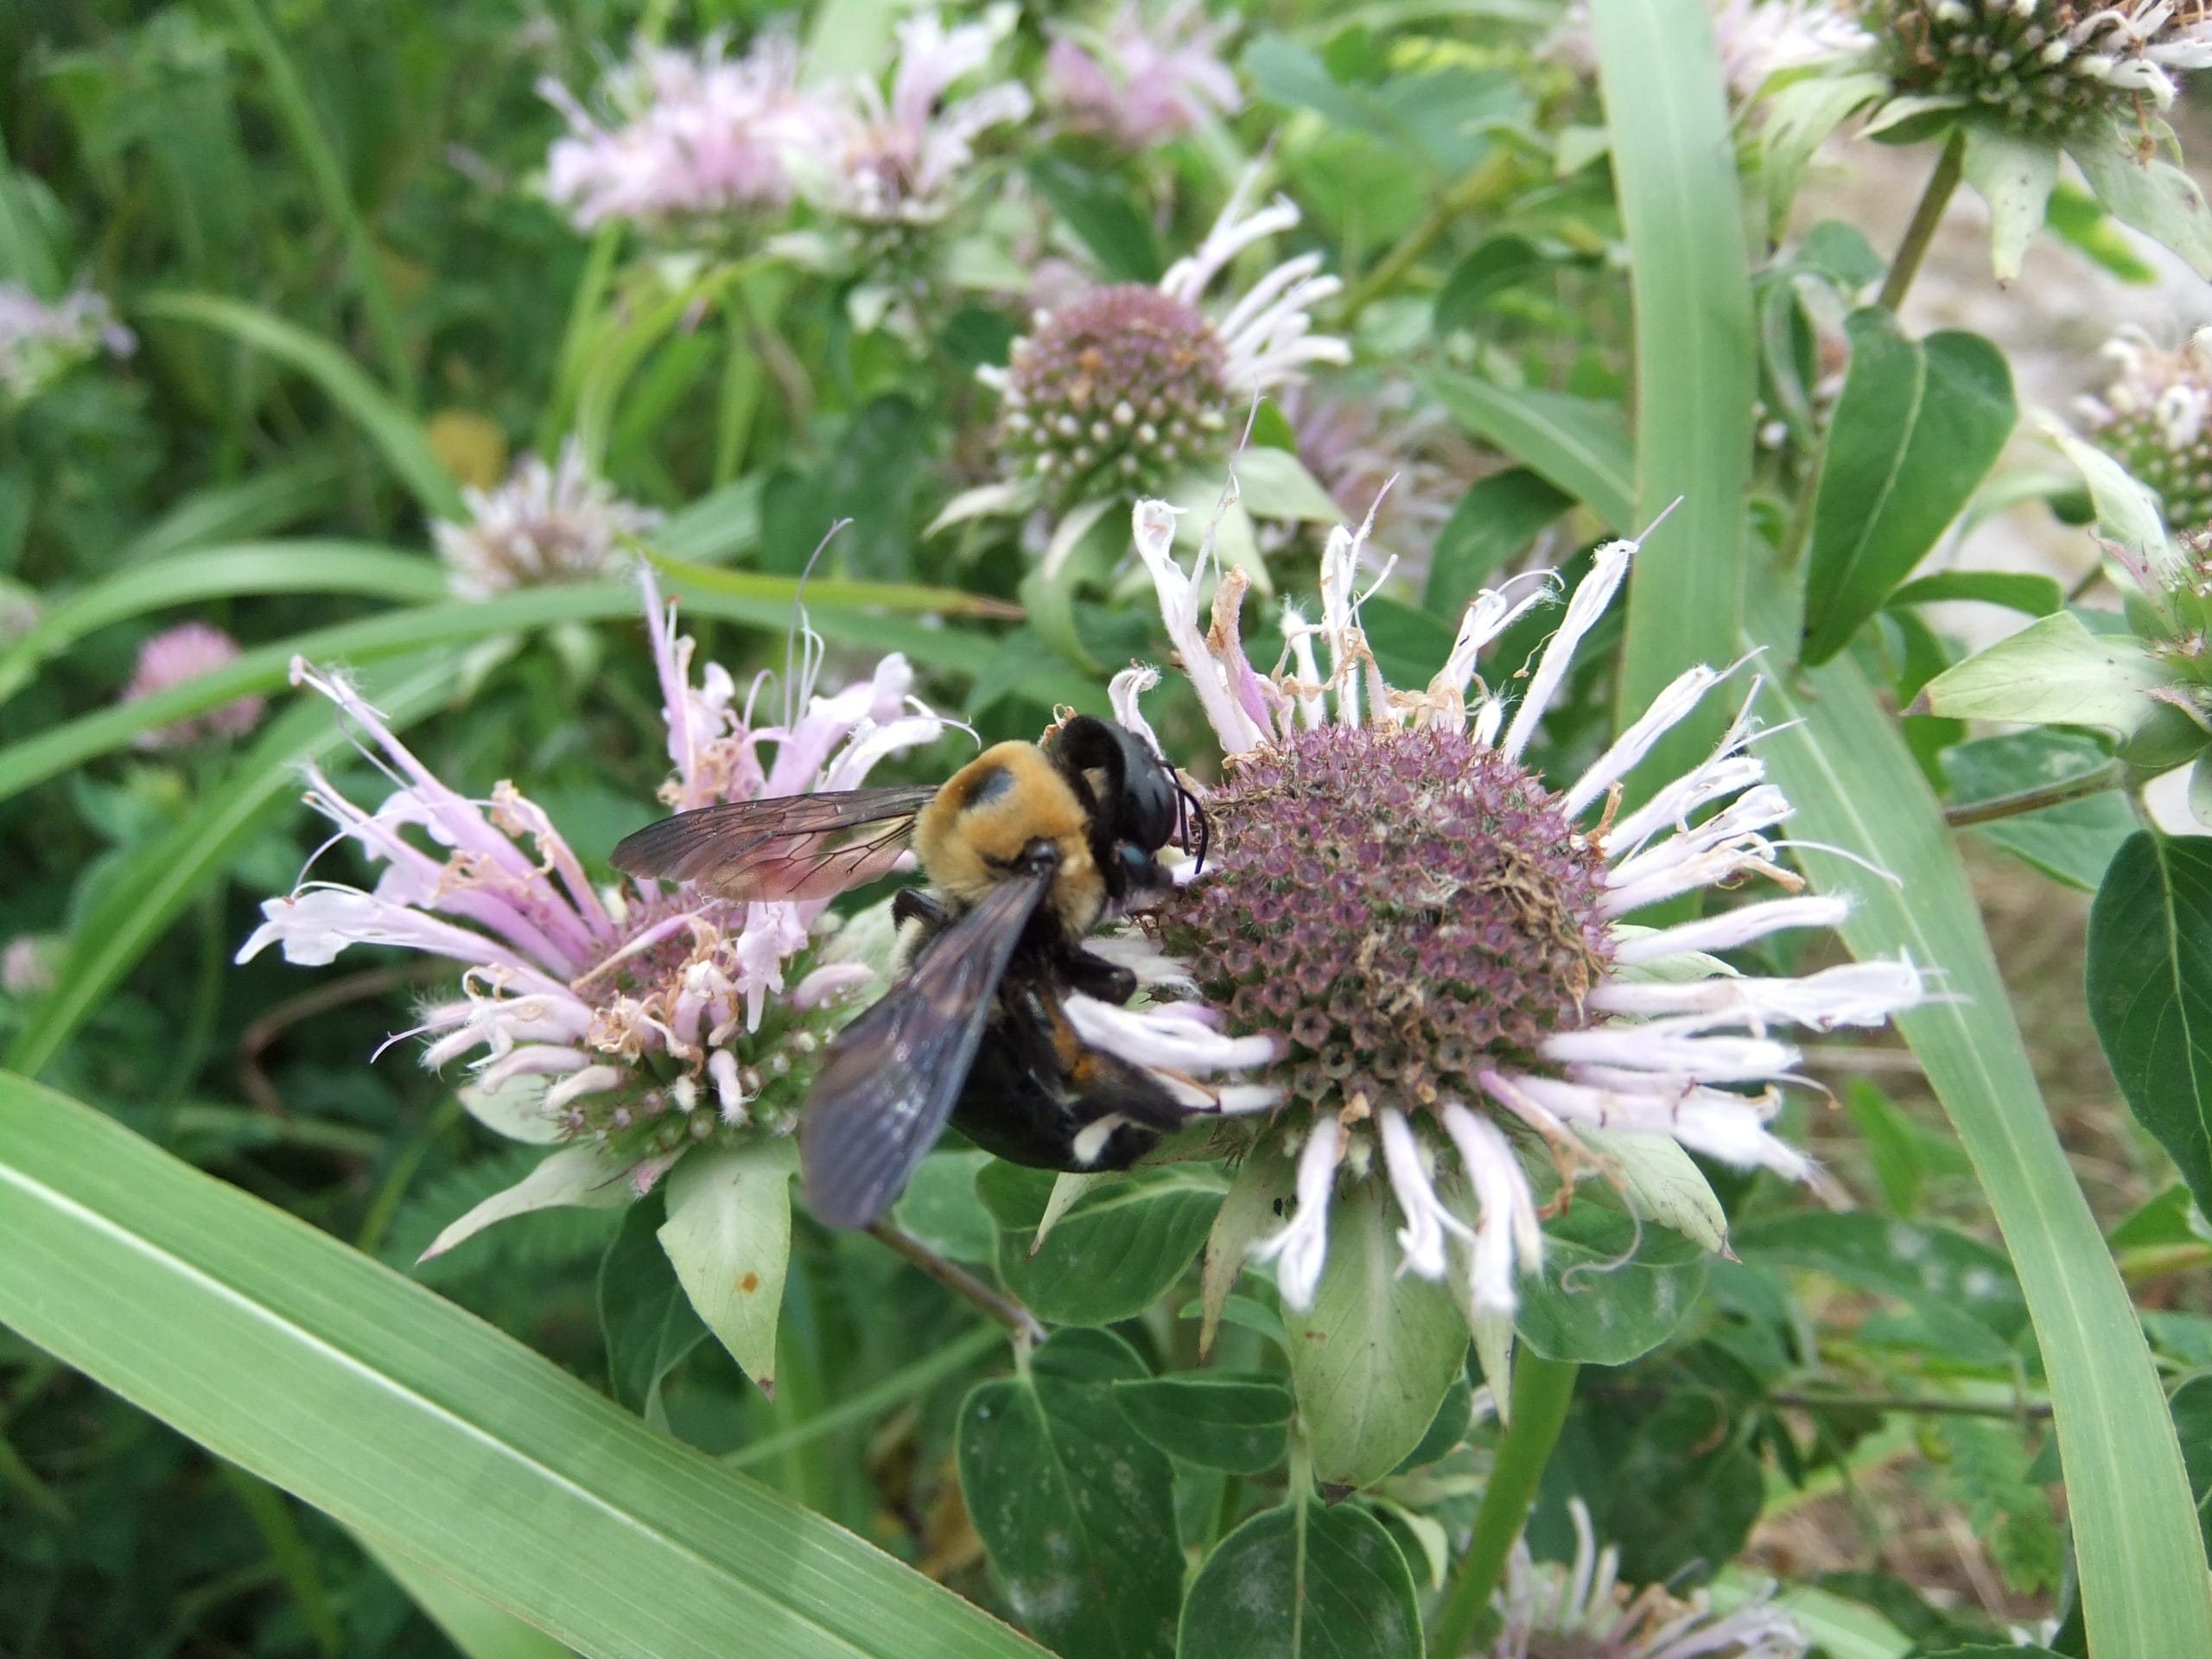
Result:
[[1027, 848]]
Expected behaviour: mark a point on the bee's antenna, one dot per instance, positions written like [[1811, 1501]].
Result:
[[1187, 808], [798, 678]]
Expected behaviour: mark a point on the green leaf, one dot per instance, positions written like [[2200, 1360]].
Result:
[[2192, 1409], [1374, 1357], [247, 567], [2015, 177], [1609, 1290], [714, 528], [1215, 1420], [1578, 444], [585, 1176], [729, 1238], [2158, 199], [1916, 428], [1103, 218], [1696, 354], [1660, 1182], [1275, 484], [2128, 510], [1112, 1255], [148, 891], [1963, 1291], [416, 1424], [271, 497], [1495, 518], [646, 1319], [2051, 673], [942, 1208], [2073, 841], [1303, 1583], [266, 668], [1491, 267], [1075, 1507], [2150, 977], [382, 418], [1856, 788], [479, 1630], [1797, 119], [1261, 1186], [2016, 590]]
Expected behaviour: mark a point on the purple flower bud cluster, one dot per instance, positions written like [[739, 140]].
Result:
[[1409, 906], [1122, 388]]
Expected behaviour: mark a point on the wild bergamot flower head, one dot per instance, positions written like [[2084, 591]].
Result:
[[2155, 419], [544, 524], [1446, 939]]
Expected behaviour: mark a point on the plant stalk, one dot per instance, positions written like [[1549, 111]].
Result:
[[1922, 231], [1541, 1390], [1479, 185], [961, 1282], [2113, 774]]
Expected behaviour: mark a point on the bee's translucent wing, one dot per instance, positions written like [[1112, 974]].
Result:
[[780, 846], [893, 1076]]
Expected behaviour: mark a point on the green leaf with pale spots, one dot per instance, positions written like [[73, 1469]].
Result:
[[1076, 1508], [1375, 1355], [1963, 1291], [1305, 1582], [2052, 673], [2015, 177], [1216, 1420], [1610, 1289]]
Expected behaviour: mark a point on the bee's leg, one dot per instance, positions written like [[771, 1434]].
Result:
[[922, 904], [1095, 977]]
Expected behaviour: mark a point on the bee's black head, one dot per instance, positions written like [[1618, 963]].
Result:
[[1137, 804]]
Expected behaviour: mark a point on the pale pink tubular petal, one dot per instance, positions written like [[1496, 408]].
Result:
[[1733, 927], [1666, 709], [1303, 1246], [1849, 994], [1591, 597], [1155, 525], [1506, 1235], [1158, 1037]]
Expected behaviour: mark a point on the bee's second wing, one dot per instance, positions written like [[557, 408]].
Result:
[[779, 846], [893, 1076]]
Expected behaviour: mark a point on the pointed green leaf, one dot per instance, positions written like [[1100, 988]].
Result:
[[418, 1424], [582, 1176], [1075, 1507], [1275, 484], [1375, 1355], [476, 1628], [1253, 1206], [1660, 1182], [644, 1316], [2016, 590], [729, 1238], [1213, 1419], [1576, 444], [1608, 1291], [2015, 177], [2149, 990], [1916, 428], [2157, 198], [1498, 518], [1304, 1583], [2051, 673], [1114, 1253]]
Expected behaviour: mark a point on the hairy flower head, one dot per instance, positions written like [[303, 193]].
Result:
[[1444, 938], [544, 524]]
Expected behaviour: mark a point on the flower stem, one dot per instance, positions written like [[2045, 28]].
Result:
[[1541, 1390], [961, 1282], [1919, 233], [1488, 179], [871, 1402], [2113, 774]]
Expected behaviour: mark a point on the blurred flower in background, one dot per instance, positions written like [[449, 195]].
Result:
[[690, 135], [630, 1023], [1128, 386], [27, 965], [178, 654], [544, 524], [1445, 936], [1145, 77], [2152, 419], [1379, 452], [41, 342], [1551, 1611], [899, 159], [1758, 39]]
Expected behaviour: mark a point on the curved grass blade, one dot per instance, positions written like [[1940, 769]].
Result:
[[1576, 444], [163, 877], [273, 498], [1696, 356], [386, 423], [899, 598], [250, 568], [419, 1425], [2143, 1577], [297, 117], [265, 668]]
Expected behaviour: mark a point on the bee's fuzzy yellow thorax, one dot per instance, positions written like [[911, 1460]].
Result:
[[978, 825]]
